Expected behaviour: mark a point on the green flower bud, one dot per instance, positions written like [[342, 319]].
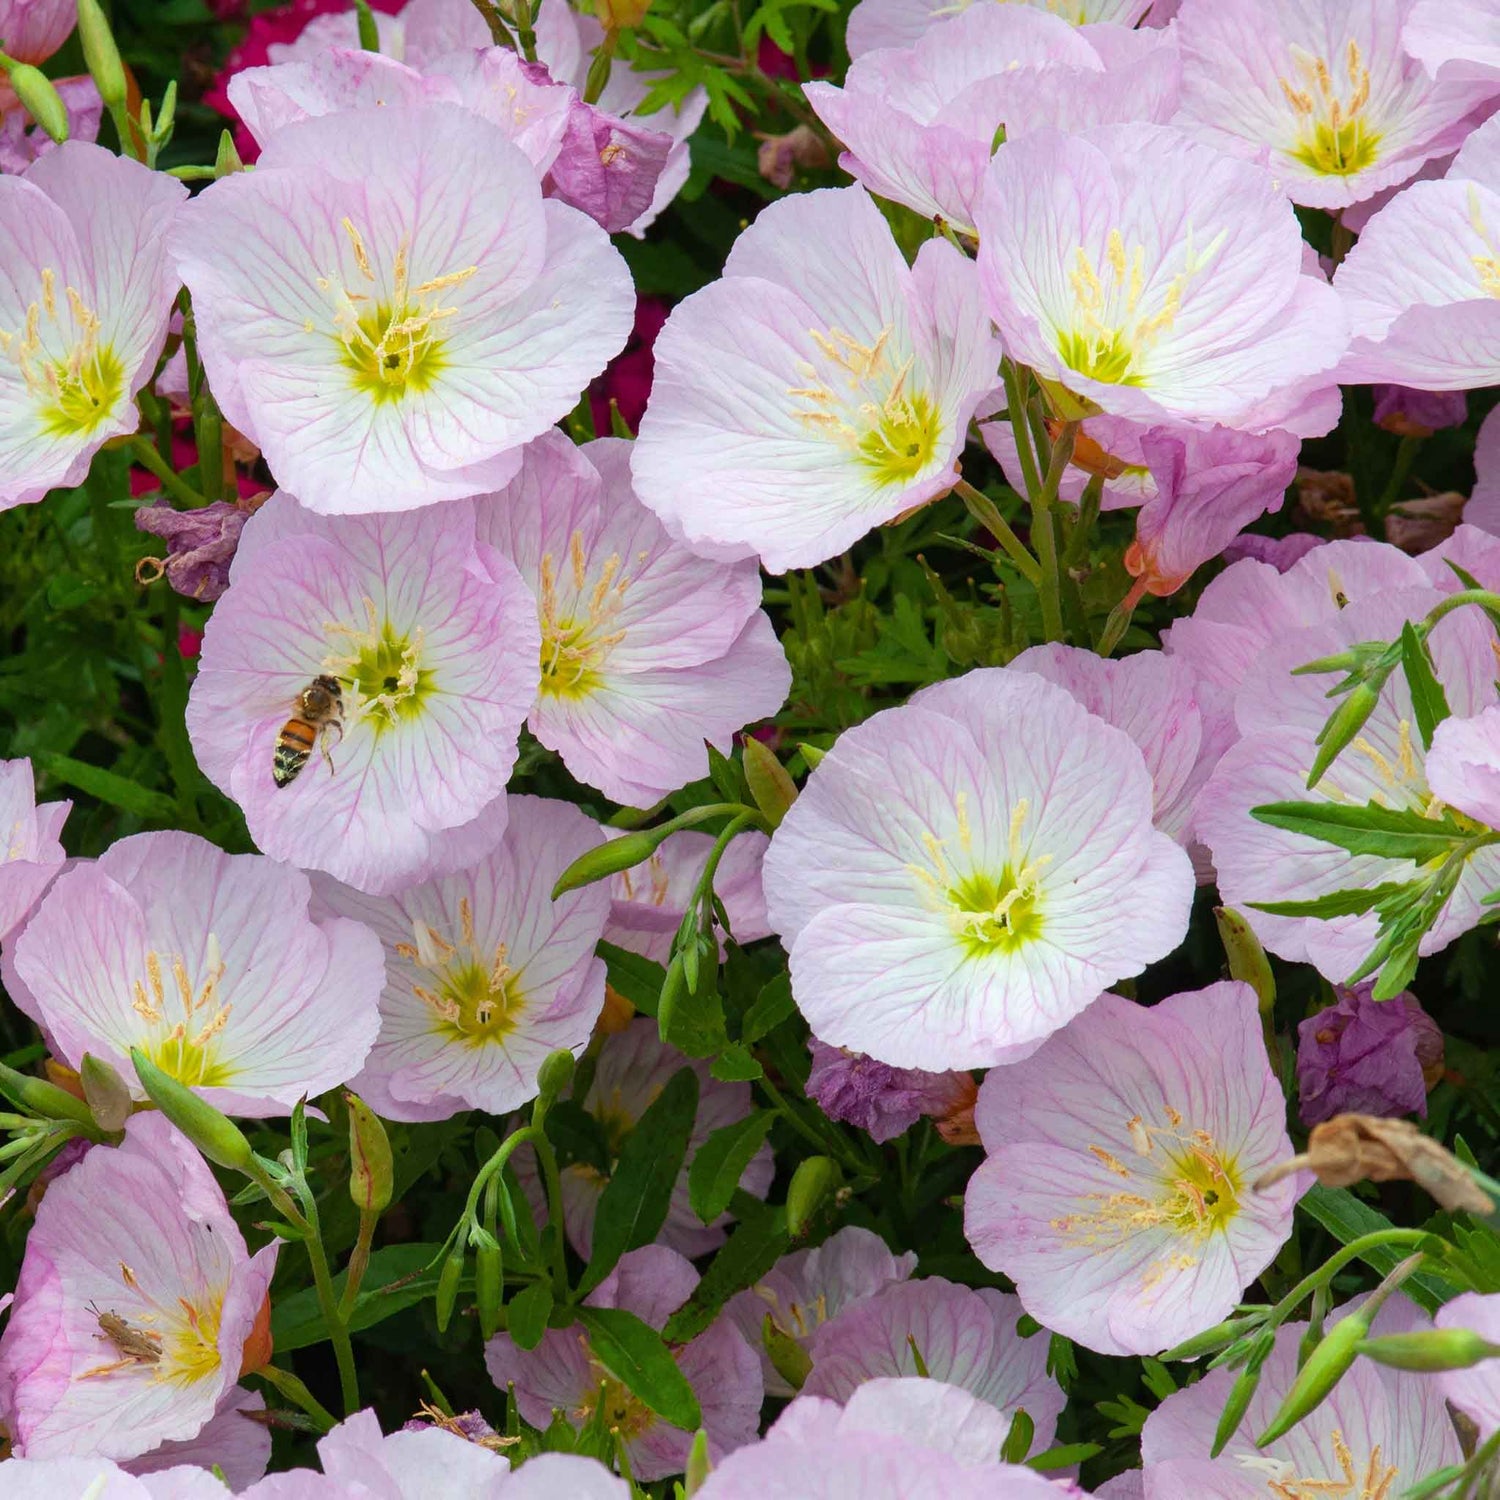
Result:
[[623, 853], [773, 789], [35, 1096], [39, 98], [1211, 1340], [105, 1093], [227, 161], [101, 54], [1343, 724], [1242, 1392], [447, 1287], [555, 1074], [788, 1358], [699, 1465], [210, 1130], [489, 1282], [1430, 1349], [814, 1182], [1247, 959], [1325, 1367], [371, 1176]]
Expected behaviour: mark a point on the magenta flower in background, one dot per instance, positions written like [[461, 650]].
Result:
[[1149, 276], [561, 1374], [1279, 552], [1321, 91], [99, 1479], [1209, 487], [22, 141], [83, 309], [1463, 765], [1154, 699], [432, 638], [1116, 1192], [140, 1231], [951, 1333], [31, 851], [648, 902], [963, 874], [1454, 39], [900, 23], [1280, 716], [895, 1439], [1475, 1391], [389, 310], [32, 30], [200, 544], [633, 1068], [818, 389], [485, 974], [1366, 1056], [210, 964], [803, 1290], [647, 649], [874, 1097], [1378, 1429], [1418, 413]]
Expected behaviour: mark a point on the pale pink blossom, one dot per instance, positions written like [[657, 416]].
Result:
[[100, 1479], [234, 1440], [22, 140], [32, 30], [1463, 765], [1454, 39], [1483, 509], [1476, 1390], [31, 851], [899, 23]]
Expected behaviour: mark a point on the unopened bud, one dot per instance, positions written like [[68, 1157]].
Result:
[[105, 1092], [210, 1130], [773, 789], [814, 1182], [101, 54], [371, 1175], [788, 1358], [1325, 1367], [1242, 1392], [227, 160], [555, 1074], [1430, 1349], [489, 1285], [1211, 1340], [35, 1096], [621, 15], [38, 97], [447, 1287], [610, 858], [1247, 959]]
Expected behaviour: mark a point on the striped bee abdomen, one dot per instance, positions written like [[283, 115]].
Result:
[[293, 747]]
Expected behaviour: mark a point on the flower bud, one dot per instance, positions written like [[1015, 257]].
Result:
[[1430, 1349], [610, 858], [1247, 959], [814, 1182], [489, 1283], [621, 15], [101, 54], [788, 1358], [35, 1096], [447, 1287], [370, 1171], [210, 1130], [227, 159], [773, 789], [1325, 1367], [105, 1093], [555, 1074], [1242, 1392], [38, 97], [1211, 1340], [1343, 724]]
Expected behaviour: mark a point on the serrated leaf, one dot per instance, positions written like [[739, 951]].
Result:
[[526, 1314], [1428, 701], [721, 1161], [634, 1204], [634, 1353], [1381, 832]]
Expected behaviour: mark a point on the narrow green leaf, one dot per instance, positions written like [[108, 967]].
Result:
[[758, 1242], [634, 1204], [1336, 904], [720, 1162], [1347, 1219], [396, 1278], [526, 1314], [736, 1064], [1428, 701], [118, 791], [726, 776], [1383, 832], [773, 1005], [1063, 1457], [633, 1352], [638, 979]]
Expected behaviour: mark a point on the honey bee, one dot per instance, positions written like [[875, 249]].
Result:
[[320, 707]]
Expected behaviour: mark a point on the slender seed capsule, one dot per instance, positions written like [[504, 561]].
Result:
[[1325, 1367]]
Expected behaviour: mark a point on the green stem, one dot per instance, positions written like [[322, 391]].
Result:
[[1083, 527], [178, 488], [1043, 535], [1484, 1455], [987, 513], [359, 1262], [1015, 401], [831, 1146], [1406, 454], [1336, 1263], [553, 1180], [1487, 601], [338, 1327]]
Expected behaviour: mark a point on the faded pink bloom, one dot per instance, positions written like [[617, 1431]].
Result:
[[900, 23], [32, 30], [1475, 1391], [22, 141], [562, 1374], [1280, 552], [1418, 413], [1366, 1056], [139, 1231], [31, 851]]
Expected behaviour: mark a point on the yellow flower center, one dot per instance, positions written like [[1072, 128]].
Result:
[[379, 667], [175, 1342], [75, 379], [578, 635], [1334, 138], [186, 1020], [1375, 1481], [391, 341], [624, 1412], [475, 996], [862, 398], [1117, 317]]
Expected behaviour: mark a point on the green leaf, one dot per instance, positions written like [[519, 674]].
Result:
[[638, 979], [118, 791], [1336, 904], [773, 1005], [633, 1352], [725, 776], [526, 1314], [1063, 1457], [397, 1278], [694, 1022], [736, 1064], [1428, 701], [1347, 1219], [758, 1242], [634, 1204], [577, 1136], [720, 1162], [1382, 832]]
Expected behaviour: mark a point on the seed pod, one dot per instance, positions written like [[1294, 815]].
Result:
[[371, 1175], [447, 1287], [1430, 1349]]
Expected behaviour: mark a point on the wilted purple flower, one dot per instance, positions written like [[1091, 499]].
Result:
[[881, 1100], [608, 167], [1366, 1056], [1400, 409], [1281, 552], [200, 546]]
